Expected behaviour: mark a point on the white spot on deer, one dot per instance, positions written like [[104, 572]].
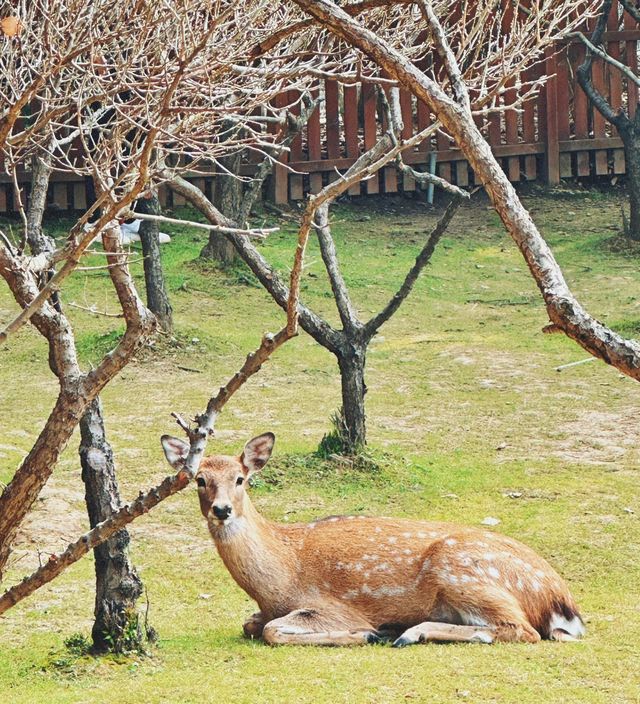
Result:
[[392, 539], [378, 529], [540, 573], [450, 541], [366, 589], [351, 594], [407, 551], [433, 534], [407, 535], [398, 559], [312, 525], [489, 556], [358, 567], [493, 572], [411, 560], [466, 578], [482, 544], [452, 578], [528, 567], [382, 567], [426, 566], [520, 584], [334, 519], [421, 535], [535, 585], [466, 562], [381, 592]]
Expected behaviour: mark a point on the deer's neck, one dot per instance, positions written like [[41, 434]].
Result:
[[259, 558]]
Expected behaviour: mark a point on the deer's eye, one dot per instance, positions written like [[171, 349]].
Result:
[[239, 481], [201, 482]]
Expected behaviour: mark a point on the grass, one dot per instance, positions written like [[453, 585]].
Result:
[[467, 419]]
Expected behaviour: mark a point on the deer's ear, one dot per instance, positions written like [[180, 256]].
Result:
[[256, 452], [175, 450]]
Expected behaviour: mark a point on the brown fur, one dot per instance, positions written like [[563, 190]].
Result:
[[338, 579]]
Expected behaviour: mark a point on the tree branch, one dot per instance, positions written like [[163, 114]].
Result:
[[593, 49], [448, 57], [319, 329], [583, 71], [295, 125], [373, 325], [393, 111], [103, 531], [632, 9], [348, 314]]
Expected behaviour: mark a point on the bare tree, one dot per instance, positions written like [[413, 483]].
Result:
[[117, 583], [118, 97], [348, 344], [626, 119]]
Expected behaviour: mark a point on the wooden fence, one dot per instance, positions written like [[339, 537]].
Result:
[[556, 135]]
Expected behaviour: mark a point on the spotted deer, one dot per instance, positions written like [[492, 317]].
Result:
[[354, 579]]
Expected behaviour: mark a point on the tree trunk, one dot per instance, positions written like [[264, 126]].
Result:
[[118, 586], [352, 363], [631, 140], [227, 198], [40, 174], [157, 297]]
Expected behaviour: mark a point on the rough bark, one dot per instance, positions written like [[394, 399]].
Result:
[[59, 563], [227, 198], [157, 297], [352, 363], [630, 135], [40, 175], [118, 586]]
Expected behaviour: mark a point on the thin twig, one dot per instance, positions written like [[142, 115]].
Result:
[[95, 311], [259, 232]]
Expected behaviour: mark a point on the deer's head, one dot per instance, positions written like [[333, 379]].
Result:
[[222, 479]]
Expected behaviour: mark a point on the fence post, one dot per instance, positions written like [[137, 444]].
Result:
[[552, 153], [279, 186]]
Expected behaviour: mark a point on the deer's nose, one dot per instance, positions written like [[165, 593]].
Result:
[[221, 512]]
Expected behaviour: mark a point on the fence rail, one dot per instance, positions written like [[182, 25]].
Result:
[[555, 135]]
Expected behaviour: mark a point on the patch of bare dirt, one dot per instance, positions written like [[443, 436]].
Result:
[[598, 437], [58, 518]]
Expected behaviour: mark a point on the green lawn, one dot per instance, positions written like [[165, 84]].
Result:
[[467, 418]]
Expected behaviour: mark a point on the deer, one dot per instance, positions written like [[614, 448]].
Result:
[[347, 580]]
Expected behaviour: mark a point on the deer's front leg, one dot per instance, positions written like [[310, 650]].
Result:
[[254, 625], [311, 627]]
